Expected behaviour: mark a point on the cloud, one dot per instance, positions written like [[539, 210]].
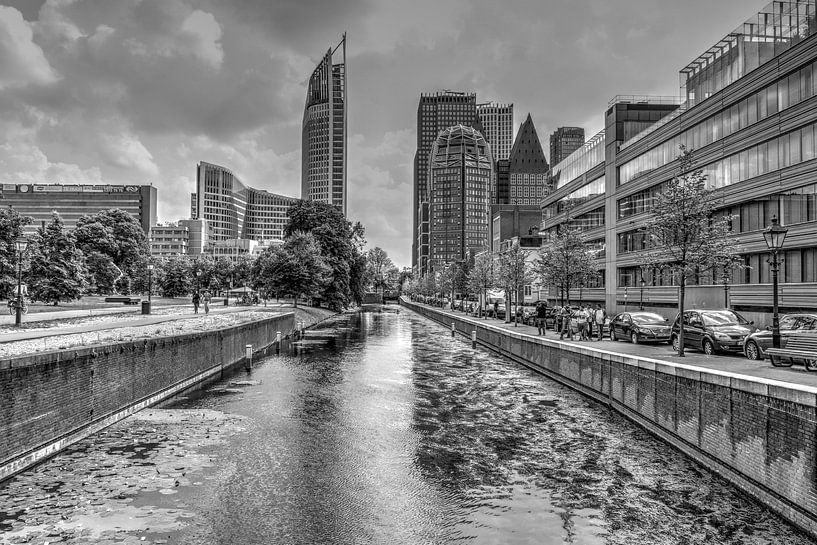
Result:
[[22, 62], [203, 33]]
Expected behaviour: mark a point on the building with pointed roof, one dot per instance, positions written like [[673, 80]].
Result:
[[528, 167]]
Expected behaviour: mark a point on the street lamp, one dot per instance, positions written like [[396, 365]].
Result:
[[725, 277], [775, 235], [641, 299], [20, 244], [150, 285]]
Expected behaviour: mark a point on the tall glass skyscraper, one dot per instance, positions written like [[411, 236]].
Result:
[[323, 146], [563, 142], [497, 127]]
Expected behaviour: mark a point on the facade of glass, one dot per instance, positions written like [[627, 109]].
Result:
[[497, 127], [324, 135], [460, 175]]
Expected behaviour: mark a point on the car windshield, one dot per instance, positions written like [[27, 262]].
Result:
[[648, 318], [722, 317]]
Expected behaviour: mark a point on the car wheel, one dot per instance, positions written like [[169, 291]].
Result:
[[752, 351], [613, 334], [810, 364], [709, 348], [634, 337], [676, 344]]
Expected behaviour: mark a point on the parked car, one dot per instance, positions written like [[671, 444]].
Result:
[[712, 330], [639, 327], [756, 344]]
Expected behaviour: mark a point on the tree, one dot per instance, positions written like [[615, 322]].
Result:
[[514, 274], [565, 262], [482, 278], [378, 264], [175, 277], [11, 228], [296, 268], [685, 236], [444, 280], [102, 273], [57, 270]]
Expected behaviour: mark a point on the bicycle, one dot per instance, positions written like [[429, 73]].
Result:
[[13, 306]]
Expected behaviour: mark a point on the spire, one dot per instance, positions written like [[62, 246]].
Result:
[[527, 154]]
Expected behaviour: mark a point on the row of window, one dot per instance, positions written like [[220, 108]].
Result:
[[576, 198]]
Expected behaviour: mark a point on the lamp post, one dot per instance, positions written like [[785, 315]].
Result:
[[725, 277], [20, 244], [150, 285], [775, 235], [641, 298]]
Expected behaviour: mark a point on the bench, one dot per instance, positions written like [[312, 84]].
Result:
[[124, 300], [801, 347]]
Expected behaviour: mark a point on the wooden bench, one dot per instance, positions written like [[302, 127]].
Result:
[[801, 347], [124, 300]]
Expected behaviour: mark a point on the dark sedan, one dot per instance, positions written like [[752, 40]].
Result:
[[756, 344], [639, 327]]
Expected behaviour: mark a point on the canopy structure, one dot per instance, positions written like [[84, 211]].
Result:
[[243, 289]]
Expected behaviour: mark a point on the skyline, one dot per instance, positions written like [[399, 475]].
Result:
[[139, 92]]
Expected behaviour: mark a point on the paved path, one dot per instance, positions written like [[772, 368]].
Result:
[[8, 319], [137, 322], [722, 362]]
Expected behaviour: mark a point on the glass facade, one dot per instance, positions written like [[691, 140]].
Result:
[[577, 163], [576, 198]]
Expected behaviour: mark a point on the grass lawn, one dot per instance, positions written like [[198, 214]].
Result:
[[97, 301]]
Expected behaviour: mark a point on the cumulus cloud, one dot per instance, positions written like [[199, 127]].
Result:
[[203, 33], [22, 62]]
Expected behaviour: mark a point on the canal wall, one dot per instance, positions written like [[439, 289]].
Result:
[[759, 434], [50, 400]]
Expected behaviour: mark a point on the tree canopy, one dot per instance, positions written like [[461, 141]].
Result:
[[57, 270], [11, 228]]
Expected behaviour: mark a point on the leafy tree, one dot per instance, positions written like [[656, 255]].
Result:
[[102, 273], [11, 228], [444, 279], [685, 236], [514, 274], [222, 274], [57, 270], [175, 277], [566, 262], [481, 278], [378, 264], [296, 268]]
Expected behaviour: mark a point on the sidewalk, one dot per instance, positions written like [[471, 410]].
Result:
[[8, 319], [736, 363], [137, 322]]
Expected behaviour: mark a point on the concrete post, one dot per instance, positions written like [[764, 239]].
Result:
[[453, 329], [277, 342], [248, 355], [474, 338]]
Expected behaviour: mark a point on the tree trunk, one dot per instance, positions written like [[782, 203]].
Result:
[[295, 301]]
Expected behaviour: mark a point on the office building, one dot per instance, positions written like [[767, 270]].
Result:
[[233, 210], [193, 210], [497, 127], [39, 201], [168, 240], [435, 112], [503, 182], [564, 141], [527, 167], [509, 221], [324, 135], [460, 176]]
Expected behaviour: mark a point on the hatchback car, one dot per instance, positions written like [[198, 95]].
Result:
[[639, 327], [712, 330], [756, 344]]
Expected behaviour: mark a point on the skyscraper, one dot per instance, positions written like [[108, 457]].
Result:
[[527, 171], [563, 142], [460, 174], [323, 145], [436, 112], [497, 127]]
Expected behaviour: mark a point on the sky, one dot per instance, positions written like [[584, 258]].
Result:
[[140, 91]]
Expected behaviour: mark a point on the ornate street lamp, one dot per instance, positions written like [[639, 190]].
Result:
[[150, 286], [725, 278], [20, 244], [641, 299], [775, 235]]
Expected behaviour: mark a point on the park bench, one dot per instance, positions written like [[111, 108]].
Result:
[[801, 347], [125, 300]]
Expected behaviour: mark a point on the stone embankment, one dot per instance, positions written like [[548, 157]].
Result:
[[758, 433]]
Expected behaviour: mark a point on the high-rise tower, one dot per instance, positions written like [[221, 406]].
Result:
[[436, 112], [563, 142], [323, 147], [497, 127], [527, 171]]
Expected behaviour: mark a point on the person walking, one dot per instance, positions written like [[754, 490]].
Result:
[[581, 324], [564, 324], [600, 317], [196, 300], [588, 312], [207, 302], [541, 314]]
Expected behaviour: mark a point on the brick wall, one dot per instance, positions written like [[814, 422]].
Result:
[[759, 434], [52, 399]]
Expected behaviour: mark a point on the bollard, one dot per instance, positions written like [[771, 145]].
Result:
[[453, 329], [277, 342], [248, 349], [474, 338]]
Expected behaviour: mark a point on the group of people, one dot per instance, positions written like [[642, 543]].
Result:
[[582, 323], [198, 298]]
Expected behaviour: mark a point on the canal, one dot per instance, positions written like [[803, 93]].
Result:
[[381, 429]]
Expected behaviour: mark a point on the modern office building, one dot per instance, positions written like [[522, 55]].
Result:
[[497, 127], [460, 177], [503, 182], [324, 134], [749, 113], [435, 112], [564, 141], [235, 211], [168, 240], [39, 201], [510, 221], [193, 210], [527, 168]]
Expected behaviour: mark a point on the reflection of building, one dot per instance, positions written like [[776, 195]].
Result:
[[460, 175], [233, 210], [497, 127], [436, 112], [748, 113], [323, 145], [527, 169], [39, 201], [564, 141]]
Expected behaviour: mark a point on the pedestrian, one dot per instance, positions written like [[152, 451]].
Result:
[[600, 317], [589, 316], [541, 314], [207, 302], [196, 300], [565, 322], [581, 324], [496, 309]]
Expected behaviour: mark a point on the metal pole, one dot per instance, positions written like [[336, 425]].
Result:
[[641, 299], [725, 291], [775, 318], [18, 317], [150, 284]]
